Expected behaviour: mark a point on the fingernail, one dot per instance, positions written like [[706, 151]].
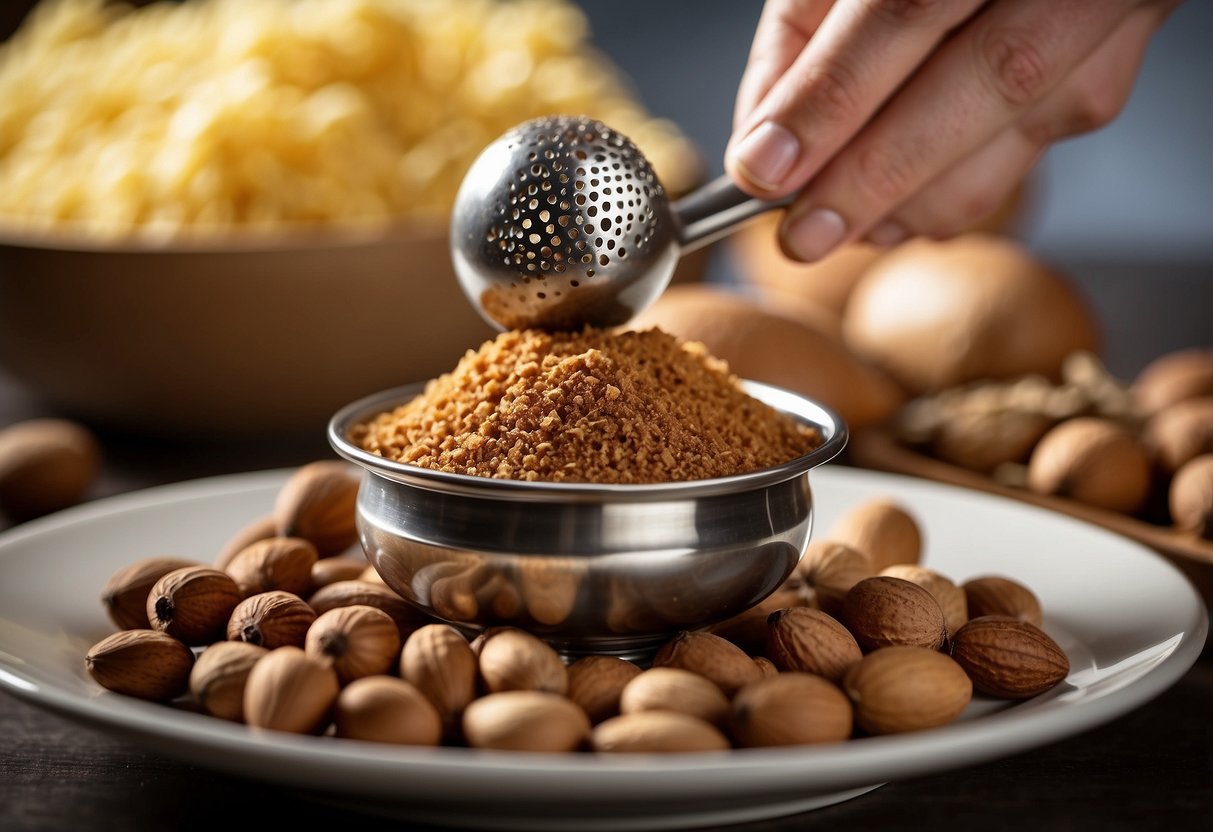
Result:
[[812, 236], [767, 154], [886, 234]]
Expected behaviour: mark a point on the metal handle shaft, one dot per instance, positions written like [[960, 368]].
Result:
[[711, 212]]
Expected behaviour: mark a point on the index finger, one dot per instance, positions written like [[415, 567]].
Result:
[[858, 57], [784, 28]]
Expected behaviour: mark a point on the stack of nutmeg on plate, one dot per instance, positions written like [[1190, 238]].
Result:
[[288, 631]]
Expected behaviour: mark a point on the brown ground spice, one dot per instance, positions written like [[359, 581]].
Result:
[[590, 406]]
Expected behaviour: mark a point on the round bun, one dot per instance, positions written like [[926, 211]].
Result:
[[827, 282], [766, 346], [938, 314]]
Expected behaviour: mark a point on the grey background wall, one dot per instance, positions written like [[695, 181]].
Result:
[[1141, 188]]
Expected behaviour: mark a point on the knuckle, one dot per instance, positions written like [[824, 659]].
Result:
[[1013, 66], [941, 218], [907, 12], [1096, 108], [829, 92], [1087, 111], [882, 177]]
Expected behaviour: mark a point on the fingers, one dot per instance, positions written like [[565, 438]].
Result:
[[963, 195], [974, 87], [858, 56], [784, 28], [979, 184]]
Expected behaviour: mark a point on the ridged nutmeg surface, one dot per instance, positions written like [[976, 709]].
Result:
[[1009, 658]]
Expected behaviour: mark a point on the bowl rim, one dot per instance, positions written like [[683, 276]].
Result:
[[801, 408], [303, 236]]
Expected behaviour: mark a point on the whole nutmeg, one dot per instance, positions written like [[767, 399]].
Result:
[[748, 630], [997, 595], [125, 593], [525, 720], [317, 504], [140, 663], [439, 661], [271, 620], [45, 465], [882, 611], [790, 709], [287, 691], [193, 604], [895, 690], [1173, 378], [717, 660], [766, 666], [283, 563], [348, 593], [673, 689], [811, 641], [1180, 433], [516, 660], [219, 676], [596, 683], [1009, 658], [657, 732], [355, 641], [386, 709], [951, 597], [331, 570], [263, 528], [883, 530], [831, 568], [1191, 497], [982, 440], [1094, 461]]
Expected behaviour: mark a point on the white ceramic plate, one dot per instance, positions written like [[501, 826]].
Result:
[[1128, 620]]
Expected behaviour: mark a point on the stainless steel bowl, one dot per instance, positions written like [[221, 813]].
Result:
[[615, 569]]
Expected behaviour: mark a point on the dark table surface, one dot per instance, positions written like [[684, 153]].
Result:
[[1150, 769]]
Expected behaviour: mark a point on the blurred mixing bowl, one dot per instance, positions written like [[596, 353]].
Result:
[[229, 216]]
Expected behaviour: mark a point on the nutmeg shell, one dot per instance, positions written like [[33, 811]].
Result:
[[219, 676], [895, 690], [1009, 658], [811, 641], [525, 720], [125, 593], [271, 620], [720, 661], [883, 612], [193, 604], [317, 504], [287, 691], [597, 682], [674, 689], [657, 732], [355, 641], [790, 709], [142, 663], [386, 709], [515, 660]]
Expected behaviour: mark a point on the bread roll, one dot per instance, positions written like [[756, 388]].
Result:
[[938, 314], [762, 345]]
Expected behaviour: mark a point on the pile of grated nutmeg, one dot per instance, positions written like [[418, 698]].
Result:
[[592, 406]]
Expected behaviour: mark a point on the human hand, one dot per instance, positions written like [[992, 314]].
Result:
[[903, 117]]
